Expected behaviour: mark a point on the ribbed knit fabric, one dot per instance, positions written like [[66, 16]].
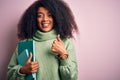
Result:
[[42, 36], [50, 67]]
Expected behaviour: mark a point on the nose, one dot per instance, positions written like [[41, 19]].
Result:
[[45, 18]]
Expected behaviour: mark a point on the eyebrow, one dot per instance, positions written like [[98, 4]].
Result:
[[39, 12]]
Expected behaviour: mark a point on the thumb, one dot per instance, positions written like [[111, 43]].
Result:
[[58, 37], [30, 57]]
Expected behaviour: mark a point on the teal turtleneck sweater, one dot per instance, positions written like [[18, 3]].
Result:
[[50, 67]]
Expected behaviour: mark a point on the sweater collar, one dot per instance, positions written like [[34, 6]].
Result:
[[43, 36]]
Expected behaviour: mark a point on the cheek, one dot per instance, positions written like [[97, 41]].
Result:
[[52, 21], [39, 22]]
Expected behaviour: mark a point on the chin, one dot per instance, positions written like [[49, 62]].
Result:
[[46, 30]]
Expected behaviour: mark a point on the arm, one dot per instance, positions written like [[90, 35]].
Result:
[[13, 69], [68, 67], [18, 72]]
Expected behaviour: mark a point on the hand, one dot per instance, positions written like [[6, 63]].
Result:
[[29, 67], [58, 46]]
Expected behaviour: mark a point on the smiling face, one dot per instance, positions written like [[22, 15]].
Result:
[[45, 19]]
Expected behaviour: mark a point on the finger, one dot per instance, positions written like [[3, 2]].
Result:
[[34, 63], [35, 67], [58, 37], [54, 41], [33, 71], [30, 58], [53, 49]]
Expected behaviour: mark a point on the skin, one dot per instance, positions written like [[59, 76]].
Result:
[[45, 20], [45, 24], [30, 67], [58, 46]]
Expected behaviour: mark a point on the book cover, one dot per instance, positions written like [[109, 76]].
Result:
[[29, 45], [22, 58]]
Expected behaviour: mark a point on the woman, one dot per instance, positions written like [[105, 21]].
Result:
[[50, 23]]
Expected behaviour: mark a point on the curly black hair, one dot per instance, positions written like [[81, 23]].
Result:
[[64, 22]]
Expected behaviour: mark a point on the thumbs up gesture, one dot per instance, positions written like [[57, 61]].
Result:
[[58, 46], [29, 67]]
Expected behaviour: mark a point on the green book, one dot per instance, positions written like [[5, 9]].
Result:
[[22, 58], [27, 47]]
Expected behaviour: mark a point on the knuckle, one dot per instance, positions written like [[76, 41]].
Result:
[[55, 41], [31, 71], [52, 49], [30, 68], [31, 63]]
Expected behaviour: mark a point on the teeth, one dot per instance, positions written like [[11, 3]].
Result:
[[45, 25]]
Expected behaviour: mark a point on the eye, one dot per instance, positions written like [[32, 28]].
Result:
[[40, 15], [49, 14]]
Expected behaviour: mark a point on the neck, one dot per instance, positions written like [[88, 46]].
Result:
[[43, 36]]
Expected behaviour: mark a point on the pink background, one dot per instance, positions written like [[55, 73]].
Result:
[[97, 46]]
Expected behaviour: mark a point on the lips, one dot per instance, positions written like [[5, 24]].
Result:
[[45, 24]]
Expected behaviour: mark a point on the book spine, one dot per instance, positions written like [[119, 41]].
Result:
[[34, 74], [33, 50]]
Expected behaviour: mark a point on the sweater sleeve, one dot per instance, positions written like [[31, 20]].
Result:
[[68, 67], [13, 69]]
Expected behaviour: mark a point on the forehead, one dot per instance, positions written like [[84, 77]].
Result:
[[43, 9]]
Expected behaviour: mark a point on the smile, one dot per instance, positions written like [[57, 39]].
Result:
[[45, 24]]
